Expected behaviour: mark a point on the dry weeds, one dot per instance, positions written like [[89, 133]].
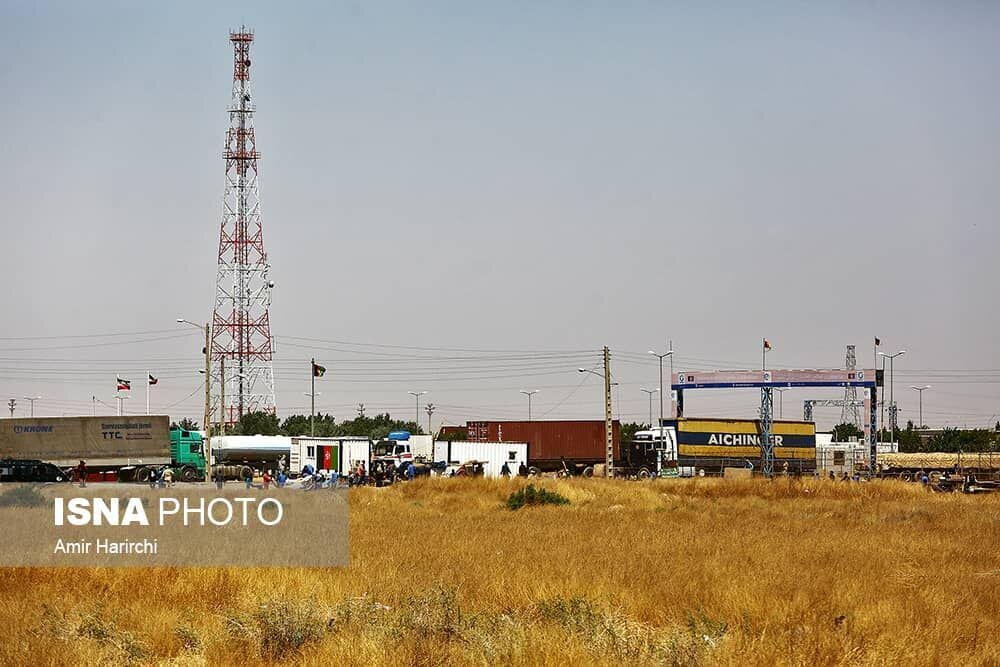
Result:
[[680, 572]]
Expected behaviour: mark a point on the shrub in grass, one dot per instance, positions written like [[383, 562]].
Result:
[[22, 496], [529, 495]]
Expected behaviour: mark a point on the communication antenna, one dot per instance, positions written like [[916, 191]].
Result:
[[241, 328]]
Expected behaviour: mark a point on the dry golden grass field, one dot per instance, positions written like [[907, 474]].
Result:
[[681, 572]]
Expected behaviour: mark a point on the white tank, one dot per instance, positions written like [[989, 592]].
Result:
[[237, 448]]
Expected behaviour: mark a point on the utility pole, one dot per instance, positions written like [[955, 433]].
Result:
[[651, 392], [93, 400], [206, 420], [430, 411], [673, 404], [11, 404], [529, 394], [609, 429]]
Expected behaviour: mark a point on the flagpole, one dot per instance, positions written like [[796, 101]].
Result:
[[312, 396], [147, 391]]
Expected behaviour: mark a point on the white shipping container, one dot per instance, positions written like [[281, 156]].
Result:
[[494, 454]]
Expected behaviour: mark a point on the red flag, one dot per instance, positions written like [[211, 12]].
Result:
[[124, 385], [767, 344], [318, 370]]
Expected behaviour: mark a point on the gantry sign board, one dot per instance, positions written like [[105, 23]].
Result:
[[774, 378]]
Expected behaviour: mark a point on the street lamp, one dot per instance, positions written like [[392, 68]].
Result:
[[416, 395], [529, 394], [920, 390], [206, 425], [651, 392], [32, 399], [613, 384], [661, 357], [780, 390], [892, 403]]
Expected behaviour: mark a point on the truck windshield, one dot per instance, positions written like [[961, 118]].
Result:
[[383, 449]]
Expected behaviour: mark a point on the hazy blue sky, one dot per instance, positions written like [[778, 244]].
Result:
[[508, 176]]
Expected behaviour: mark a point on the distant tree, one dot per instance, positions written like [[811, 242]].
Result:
[[257, 423], [376, 427], [965, 440], [186, 424], [324, 426], [846, 432], [997, 427], [629, 429]]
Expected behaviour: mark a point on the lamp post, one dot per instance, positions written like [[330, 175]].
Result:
[[416, 395], [206, 424], [31, 400], [780, 390], [651, 392], [661, 357], [610, 384], [529, 394], [920, 391], [892, 402]]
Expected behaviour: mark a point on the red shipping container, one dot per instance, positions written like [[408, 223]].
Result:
[[548, 441]]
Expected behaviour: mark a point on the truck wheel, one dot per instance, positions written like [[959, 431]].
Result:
[[644, 473], [143, 475], [188, 474], [588, 471], [246, 471], [534, 472]]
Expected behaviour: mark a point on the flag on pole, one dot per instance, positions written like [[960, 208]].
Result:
[[767, 345], [152, 380], [877, 341], [124, 385], [318, 370]]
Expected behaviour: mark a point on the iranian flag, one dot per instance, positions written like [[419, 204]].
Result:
[[124, 385]]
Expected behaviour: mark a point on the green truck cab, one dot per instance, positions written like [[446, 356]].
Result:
[[187, 454]]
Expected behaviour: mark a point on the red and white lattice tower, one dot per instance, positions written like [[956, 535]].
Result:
[[241, 329]]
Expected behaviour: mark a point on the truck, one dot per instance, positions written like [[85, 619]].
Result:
[[711, 445], [399, 448], [564, 447], [124, 448]]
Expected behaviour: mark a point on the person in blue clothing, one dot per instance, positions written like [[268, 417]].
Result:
[[282, 478], [411, 471]]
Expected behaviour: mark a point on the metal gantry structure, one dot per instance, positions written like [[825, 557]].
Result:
[[810, 403], [241, 328], [766, 380], [850, 412]]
